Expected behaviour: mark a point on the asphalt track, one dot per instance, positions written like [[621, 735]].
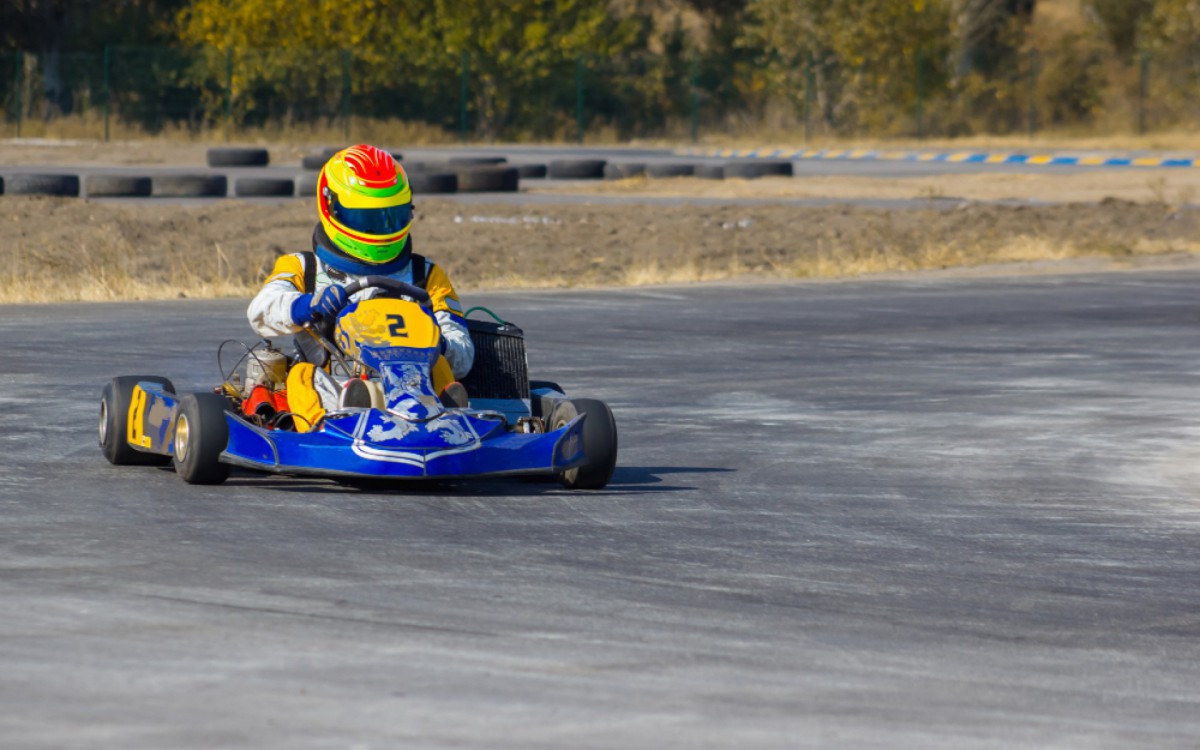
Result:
[[928, 513]]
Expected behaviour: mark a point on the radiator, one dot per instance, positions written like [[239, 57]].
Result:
[[500, 370]]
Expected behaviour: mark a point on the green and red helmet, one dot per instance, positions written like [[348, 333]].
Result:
[[365, 203]]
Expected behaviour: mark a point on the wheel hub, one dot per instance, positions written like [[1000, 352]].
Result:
[[182, 434], [103, 422]]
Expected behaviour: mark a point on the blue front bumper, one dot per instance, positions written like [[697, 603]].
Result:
[[375, 444]]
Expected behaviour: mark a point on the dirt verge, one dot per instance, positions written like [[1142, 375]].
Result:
[[1180, 186], [70, 249]]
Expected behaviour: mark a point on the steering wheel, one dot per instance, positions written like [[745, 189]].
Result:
[[391, 285], [323, 327]]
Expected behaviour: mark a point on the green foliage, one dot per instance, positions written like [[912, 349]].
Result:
[[414, 51], [1122, 21], [541, 68], [867, 61]]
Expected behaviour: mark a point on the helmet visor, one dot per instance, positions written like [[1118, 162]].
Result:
[[372, 221]]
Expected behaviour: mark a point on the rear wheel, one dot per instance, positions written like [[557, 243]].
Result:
[[114, 422], [599, 442], [201, 433]]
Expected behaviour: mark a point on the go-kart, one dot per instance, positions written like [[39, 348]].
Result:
[[389, 422]]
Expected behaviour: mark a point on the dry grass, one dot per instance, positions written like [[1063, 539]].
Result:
[[1066, 140], [69, 249], [90, 127], [1168, 186]]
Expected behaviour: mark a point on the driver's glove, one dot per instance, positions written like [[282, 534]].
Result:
[[327, 305]]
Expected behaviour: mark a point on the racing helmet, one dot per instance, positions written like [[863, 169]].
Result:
[[364, 200]]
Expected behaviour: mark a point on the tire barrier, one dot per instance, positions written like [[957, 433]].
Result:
[[488, 180], [433, 182], [190, 186], [42, 184], [531, 171], [576, 169], [477, 161], [116, 186], [306, 186], [624, 170], [710, 171], [670, 170], [238, 157], [262, 187], [749, 170], [314, 162], [427, 166]]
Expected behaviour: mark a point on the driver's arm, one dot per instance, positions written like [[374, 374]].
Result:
[[447, 308], [270, 312]]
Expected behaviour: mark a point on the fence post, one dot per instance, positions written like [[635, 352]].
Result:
[[1143, 82], [808, 99], [695, 87], [107, 93], [20, 91], [346, 81], [462, 99], [579, 98], [1031, 115], [228, 92], [920, 94]]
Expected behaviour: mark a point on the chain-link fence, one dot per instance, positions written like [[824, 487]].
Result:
[[134, 91]]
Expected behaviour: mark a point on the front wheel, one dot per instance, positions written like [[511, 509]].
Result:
[[599, 442], [201, 433]]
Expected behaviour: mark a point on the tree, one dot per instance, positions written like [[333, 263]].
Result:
[[513, 50], [863, 57], [1122, 21], [989, 33], [50, 29]]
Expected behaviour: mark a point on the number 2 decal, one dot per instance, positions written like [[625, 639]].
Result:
[[396, 326]]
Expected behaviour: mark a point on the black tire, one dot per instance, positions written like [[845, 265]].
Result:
[[433, 182], [190, 186], [477, 161], [599, 442], [238, 157], [201, 433], [114, 422], [749, 170], [710, 171], [306, 186], [42, 184], [397, 155], [531, 171], [537, 384], [116, 186], [428, 166], [316, 161], [673, 169], [1, 186], [488, 180], [624, 170], [258, 187], [576, 169]]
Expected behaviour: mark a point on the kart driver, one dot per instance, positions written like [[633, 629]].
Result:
[[364, 202]]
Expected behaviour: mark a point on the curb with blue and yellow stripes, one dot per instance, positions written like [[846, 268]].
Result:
[[953, 157]]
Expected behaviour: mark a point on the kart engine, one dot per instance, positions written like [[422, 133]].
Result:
[[265, 367]]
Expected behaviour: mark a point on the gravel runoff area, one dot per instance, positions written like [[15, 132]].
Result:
[[147, 250]]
